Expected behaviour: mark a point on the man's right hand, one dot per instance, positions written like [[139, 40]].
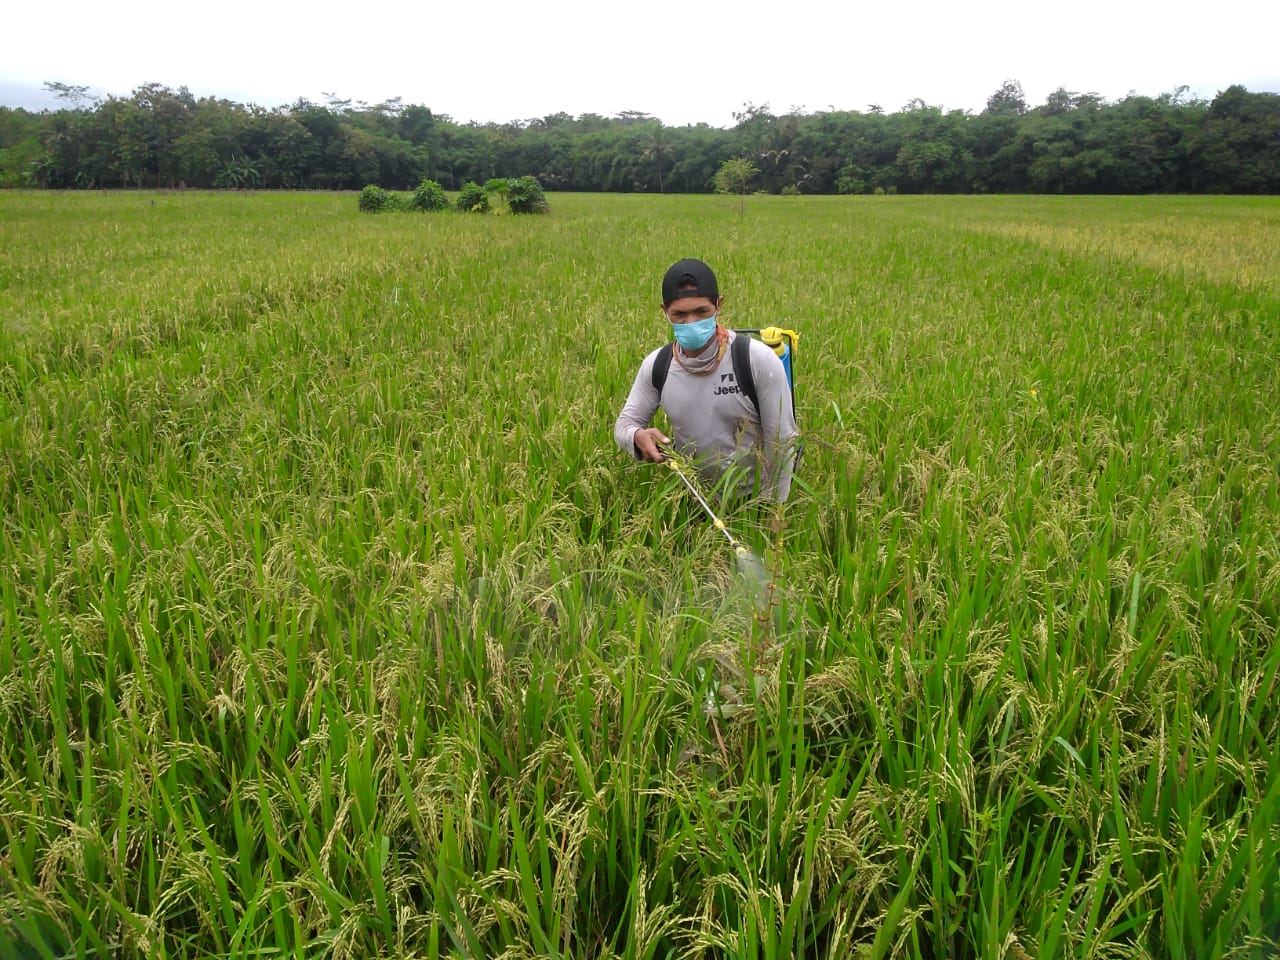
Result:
[[646, 441]]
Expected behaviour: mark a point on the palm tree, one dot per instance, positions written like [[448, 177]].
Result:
[[240, 172], [656, 149]]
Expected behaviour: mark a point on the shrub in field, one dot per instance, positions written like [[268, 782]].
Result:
[[373, 199], [524, 195], [473, 198], [428, 196]]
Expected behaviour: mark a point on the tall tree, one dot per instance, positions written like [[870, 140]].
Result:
[[73, 94], [1009, 99], [656, 149]]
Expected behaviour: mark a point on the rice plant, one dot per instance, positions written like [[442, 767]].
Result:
[[332, 624]]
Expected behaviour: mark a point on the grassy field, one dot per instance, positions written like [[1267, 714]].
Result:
[[332, 623]]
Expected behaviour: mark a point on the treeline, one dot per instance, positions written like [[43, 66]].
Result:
[[1072, 143]]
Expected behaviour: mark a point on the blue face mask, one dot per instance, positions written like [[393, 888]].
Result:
[[696, 334]]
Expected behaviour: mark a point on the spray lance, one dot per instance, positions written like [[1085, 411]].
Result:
[[673, 462], [749, 563]]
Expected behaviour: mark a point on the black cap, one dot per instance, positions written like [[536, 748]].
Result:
[[694, 276]]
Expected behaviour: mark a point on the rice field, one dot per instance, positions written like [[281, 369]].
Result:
[[333, 625]]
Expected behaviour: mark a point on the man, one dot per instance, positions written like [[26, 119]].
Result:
[[715, 424]]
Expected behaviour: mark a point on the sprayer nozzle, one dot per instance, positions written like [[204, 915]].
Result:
[[741, 552]]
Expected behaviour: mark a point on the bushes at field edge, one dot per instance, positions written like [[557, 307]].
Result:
[[373, 199], [473, 198], [498, 195], [429, 196], [524, 195]]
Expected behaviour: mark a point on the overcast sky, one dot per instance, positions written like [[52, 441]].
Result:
[[682, 62]]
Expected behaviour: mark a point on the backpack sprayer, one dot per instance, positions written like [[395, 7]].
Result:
[[783, 343]]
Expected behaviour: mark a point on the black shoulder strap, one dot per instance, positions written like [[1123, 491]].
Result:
[[741, 352], [661, 366]]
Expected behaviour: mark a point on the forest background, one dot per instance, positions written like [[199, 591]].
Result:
[[1072, 143]]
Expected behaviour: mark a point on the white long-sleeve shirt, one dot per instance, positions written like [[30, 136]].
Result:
[[714, 423]]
